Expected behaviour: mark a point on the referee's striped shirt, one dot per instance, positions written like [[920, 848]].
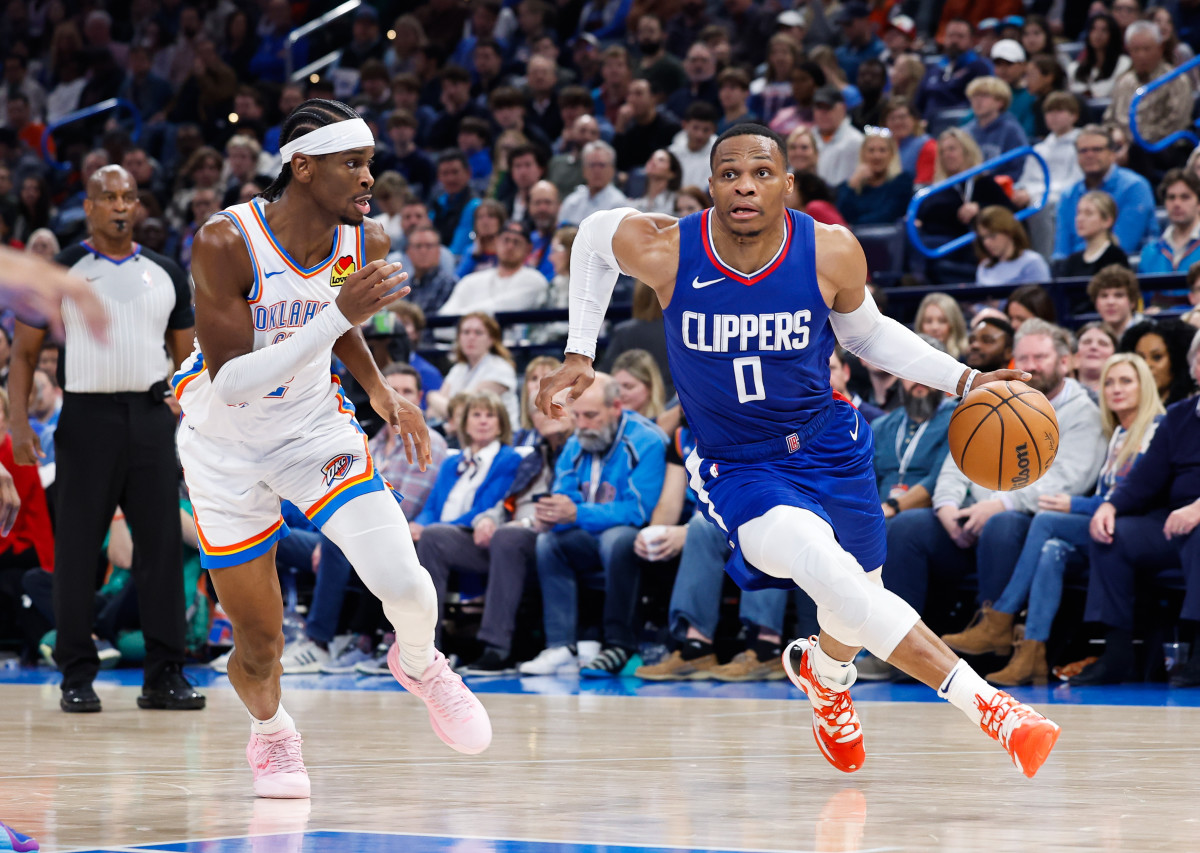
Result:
[[145, 294]]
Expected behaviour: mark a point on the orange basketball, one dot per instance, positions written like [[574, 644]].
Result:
[[1004, 435]]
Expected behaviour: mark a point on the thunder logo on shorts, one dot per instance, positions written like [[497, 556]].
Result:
[[337, 468]]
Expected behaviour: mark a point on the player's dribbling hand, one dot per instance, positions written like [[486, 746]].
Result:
[[406, 421], [370, 289], [1000, 376], [10, 502], [576, 374]]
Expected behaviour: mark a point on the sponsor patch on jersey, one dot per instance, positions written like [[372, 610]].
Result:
[[337, 468], [793, 441], [342, 270]]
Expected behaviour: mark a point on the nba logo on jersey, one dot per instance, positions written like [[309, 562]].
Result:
[[337, 468], [793, 441], [342, 270]]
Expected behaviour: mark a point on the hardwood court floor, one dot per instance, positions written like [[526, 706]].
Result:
[[589, 771]]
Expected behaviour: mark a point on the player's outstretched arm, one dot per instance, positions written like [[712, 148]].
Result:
[[864, 331], [35, 289], [645, 246]]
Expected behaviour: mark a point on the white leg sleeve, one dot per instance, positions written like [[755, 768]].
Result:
[[373, 534], [789, 542]]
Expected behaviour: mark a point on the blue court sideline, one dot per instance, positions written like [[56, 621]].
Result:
[[371, 842], [1149, 695]]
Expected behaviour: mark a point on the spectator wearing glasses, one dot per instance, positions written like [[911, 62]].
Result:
[[1132, 193]]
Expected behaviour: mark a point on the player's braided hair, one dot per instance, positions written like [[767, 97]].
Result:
[[307, 117]]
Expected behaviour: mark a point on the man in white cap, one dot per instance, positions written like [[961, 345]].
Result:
[[1008, 58]]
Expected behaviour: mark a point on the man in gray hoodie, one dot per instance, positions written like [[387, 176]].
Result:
[[971, 527]]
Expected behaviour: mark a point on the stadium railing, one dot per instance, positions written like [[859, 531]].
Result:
[[82, 115], [312, 26], [914, 207], [1142, 91]]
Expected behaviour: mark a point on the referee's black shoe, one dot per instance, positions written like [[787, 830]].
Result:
[[79, 700], [171, 692]]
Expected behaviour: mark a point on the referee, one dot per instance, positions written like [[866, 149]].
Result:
[[115, 444]]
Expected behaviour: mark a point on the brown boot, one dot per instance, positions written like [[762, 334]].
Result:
[[1028, 665], [990, 631]]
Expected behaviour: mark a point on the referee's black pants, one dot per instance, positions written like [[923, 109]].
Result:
[[117, 449]]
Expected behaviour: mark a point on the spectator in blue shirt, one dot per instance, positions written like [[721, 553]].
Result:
[[454, 209], [859, 39], [945, 83], [877, 192], [1135, 199], [1179, 246], [993, 128]]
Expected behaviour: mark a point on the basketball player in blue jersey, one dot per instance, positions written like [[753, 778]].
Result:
[[754, 296], [281, 283]]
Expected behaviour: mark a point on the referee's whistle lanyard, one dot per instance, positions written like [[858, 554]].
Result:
[[906, 457]]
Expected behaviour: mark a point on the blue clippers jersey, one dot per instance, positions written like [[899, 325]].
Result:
[[749, 353]]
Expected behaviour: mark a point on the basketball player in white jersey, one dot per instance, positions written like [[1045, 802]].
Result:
[[281, 283]]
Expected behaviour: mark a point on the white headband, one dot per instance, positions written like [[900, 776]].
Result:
[[330, 139]]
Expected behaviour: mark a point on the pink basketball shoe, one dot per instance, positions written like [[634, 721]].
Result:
[[456, 715], [278, 766]]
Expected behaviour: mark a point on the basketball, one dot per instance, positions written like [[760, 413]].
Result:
[[1004, 435]]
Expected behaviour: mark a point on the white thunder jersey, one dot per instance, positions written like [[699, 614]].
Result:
[[283, 298]]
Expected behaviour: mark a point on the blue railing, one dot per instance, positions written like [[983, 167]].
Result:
[[86, 113], [914, 235], [1170, 139]]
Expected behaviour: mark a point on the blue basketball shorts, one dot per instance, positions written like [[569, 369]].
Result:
[[832, 475]]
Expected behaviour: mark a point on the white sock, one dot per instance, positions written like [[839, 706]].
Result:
[[831, 672], [415, 658], [282, 721], [965, 689]]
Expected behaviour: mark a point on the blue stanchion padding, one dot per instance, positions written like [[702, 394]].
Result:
[[1170, 139], [86, 113], [957, 243]]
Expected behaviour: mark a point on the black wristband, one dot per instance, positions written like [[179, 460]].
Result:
[[893, 503]]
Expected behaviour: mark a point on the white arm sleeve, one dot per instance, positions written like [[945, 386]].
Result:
[[594, 271], [894, 348], [259, 372]]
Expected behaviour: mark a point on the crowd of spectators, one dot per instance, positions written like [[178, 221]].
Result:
[[502, 124]]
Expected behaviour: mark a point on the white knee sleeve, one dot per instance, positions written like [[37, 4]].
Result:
[[373, 534], [852, 605]]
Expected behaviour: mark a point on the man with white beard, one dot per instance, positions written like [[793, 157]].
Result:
[[607, 482]]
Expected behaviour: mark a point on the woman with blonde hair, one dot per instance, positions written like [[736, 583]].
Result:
[[1095, 216], [640, 383], [481, 363], [951, 212], [878, 191], [940, 317], [1058, 538], [905, 75], [1002, 246], [802, 152]]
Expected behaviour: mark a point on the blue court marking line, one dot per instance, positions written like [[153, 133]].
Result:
[[367, 841], [1153, 695]]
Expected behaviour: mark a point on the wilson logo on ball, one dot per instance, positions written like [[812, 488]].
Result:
[[342, 270], [1022, 478]]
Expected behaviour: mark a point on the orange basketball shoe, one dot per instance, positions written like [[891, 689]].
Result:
[[1025, 734], [457, 717], [835, 722], [279, 771]]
